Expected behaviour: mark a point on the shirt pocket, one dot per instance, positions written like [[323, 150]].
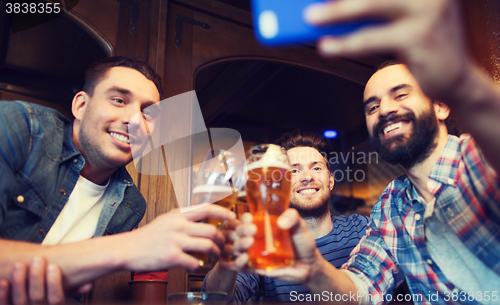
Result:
[[24, 213]]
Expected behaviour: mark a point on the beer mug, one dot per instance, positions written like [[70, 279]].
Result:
[[268, 195], [218, 180]]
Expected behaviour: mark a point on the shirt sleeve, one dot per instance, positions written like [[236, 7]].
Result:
[[485, 181], [15, 141], [360, 286], [371, 262], [246, 286]]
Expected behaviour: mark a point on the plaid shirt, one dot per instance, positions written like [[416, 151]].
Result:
[[467, 192]]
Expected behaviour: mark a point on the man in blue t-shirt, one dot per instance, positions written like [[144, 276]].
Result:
[[336, 236]]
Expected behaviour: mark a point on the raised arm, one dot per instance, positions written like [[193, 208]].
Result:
[[160, 245], [224, 275], [369, 265], [428, 36], [310, 269]]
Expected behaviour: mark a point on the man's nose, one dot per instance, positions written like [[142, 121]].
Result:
[[387, 106], [132, 114], [305, 176]]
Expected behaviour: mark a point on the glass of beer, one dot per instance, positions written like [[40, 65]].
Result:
[[268, 195], [218, 181]]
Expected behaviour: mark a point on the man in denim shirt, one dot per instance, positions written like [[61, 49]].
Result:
[[65, 183]]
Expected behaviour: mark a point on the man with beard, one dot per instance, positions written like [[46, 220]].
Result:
[[65, 193], [438, 226], [335, 236]]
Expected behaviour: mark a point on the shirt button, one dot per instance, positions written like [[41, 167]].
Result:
[[450, 212], [451, 181], [417, 217], [42, 231], [429, 261], [63, 192], [114, 203], [75, 160], [20, 199]]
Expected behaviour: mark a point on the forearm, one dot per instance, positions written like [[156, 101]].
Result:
[[325, 277], [80, 262], [221, 279]]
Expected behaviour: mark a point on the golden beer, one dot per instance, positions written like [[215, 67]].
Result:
[[268, 194], [206, 194]]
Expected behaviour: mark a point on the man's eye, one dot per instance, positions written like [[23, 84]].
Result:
[[401, 96], [294, 171], [317, 169], [119, 100], [371, 109], [149, 114]]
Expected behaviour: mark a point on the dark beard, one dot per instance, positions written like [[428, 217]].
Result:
[[418, 146], [312, 212]]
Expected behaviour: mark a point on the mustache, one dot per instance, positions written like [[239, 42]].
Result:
[[410, 116]]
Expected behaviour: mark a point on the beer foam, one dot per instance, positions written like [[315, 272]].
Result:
[[212, 189], [260, 164], [271, 158]]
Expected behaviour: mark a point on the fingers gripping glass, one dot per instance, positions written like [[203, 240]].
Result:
[[218, 181]]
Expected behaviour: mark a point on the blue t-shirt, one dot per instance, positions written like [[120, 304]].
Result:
[[335, 248]]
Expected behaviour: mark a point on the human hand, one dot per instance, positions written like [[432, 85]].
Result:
[[426, 35], [234, 256], [36, 283], [304, 245], [306, 253], [164, 242]]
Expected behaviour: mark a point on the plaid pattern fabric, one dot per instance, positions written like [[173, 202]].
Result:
[[467, 192]]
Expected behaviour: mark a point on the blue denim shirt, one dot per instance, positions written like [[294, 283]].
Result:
[[39, 167]]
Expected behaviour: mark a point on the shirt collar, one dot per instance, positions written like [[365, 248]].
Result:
[[446, 168], [443, 172], [69, 150]]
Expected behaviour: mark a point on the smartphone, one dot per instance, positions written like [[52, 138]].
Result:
[[281, 22]]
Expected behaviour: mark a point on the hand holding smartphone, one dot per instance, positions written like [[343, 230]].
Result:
[[281, 22]]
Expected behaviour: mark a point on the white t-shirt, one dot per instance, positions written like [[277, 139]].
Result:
[[78, 219]]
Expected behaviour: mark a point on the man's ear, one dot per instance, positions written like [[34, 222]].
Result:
[[332, 181], [78, 104], [442, 110]]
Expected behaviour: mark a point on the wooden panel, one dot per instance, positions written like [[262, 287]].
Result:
[[130, 43], [102, 14], [113, 288], [158, 189]]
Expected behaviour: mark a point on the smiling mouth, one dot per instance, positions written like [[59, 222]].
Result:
[[392, 127], [120, 137], [308, 191]]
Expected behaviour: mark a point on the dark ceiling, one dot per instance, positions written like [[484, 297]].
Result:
[[263, 99]]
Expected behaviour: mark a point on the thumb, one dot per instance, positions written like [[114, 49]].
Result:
[[303, 242]]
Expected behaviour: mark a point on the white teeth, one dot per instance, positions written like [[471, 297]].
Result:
[[120, 137], [392, 127], [307, 191]]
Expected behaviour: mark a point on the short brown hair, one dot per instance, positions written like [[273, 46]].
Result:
[[300, 138], [97, 71]]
